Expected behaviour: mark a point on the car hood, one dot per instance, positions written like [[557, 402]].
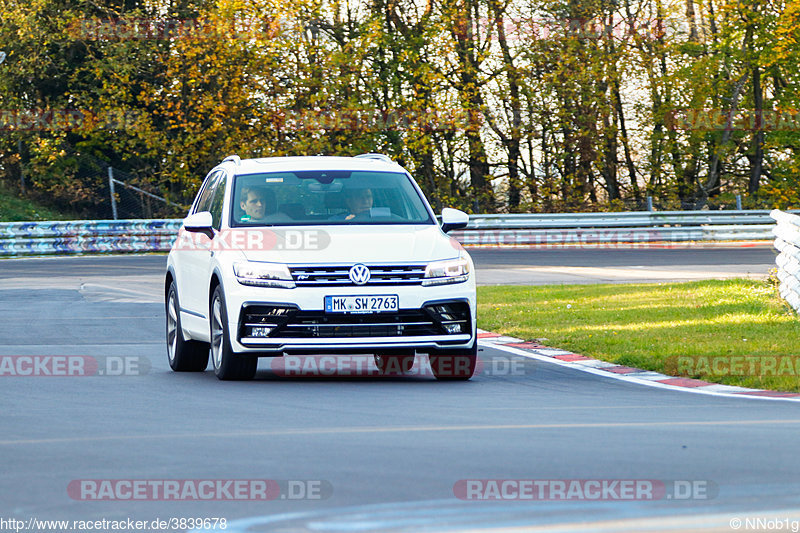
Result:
[[352, 244]]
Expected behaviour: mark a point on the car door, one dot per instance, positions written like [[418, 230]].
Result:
[[195, 263]]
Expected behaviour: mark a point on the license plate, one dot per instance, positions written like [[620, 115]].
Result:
[[382, 303]]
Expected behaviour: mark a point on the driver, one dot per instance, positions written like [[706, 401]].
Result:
[[254, 203]]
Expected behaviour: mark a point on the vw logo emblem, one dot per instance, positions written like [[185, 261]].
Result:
[[359, 274]]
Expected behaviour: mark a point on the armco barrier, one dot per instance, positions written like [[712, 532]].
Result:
[[547, 230], [610, 229], [633, 219], [555, 237], [787, 242], [81, 236]]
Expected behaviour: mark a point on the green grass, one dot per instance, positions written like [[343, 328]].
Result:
[[16, 209], [649, 325]]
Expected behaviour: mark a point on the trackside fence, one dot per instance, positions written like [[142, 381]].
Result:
[[545, 230], [787, 242]]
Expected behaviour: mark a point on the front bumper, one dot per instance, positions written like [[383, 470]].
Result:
[[275, 321]]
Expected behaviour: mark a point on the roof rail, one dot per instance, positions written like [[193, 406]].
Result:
[[378, 157], [235, 158]]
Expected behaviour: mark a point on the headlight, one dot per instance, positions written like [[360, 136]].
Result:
[[264, 275], [450, 271]]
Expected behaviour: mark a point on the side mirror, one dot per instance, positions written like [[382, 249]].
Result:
[[200, 223], [453, 219]]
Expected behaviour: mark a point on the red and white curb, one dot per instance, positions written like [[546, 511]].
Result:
[[582, 363]]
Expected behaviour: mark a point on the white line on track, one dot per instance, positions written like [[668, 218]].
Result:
[[626, 377]]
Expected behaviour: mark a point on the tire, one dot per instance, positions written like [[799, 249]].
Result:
[[183, 355], [394, 364], [228, 366], [456, 365]]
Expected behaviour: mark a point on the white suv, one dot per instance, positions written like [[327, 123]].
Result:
[[318, 255]]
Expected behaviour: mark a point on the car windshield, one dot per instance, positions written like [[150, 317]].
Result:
[[326, 197]]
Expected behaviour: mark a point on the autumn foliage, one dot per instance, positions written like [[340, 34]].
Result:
[[493, 105]]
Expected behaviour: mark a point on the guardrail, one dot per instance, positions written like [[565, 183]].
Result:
[[76, 237], [609, 229], [787, 242], [615, 220], [547, 230]]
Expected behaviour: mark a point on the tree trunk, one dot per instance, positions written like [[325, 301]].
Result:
[[757, 159], [472, 102], [715, 166], [513, 139], [692, 23], [637, 194]]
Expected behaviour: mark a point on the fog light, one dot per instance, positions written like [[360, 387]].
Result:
[[260, 331], [452, 328]]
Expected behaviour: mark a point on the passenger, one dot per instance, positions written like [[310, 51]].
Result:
[[359, 203]]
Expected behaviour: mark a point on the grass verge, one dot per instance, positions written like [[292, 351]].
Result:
[[16, 209], [669, 327]]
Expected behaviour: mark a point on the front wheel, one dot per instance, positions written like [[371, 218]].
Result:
[[227, 364], [456, 365], [183, 355]]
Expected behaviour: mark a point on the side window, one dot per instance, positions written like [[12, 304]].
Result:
[[217, 200], [206, 194]]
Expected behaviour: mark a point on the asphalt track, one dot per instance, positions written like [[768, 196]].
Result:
[[619, 265], [390, 453]]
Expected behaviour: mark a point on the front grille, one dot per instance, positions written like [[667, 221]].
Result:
[[311, 324], [339, 275], [289, 322]]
